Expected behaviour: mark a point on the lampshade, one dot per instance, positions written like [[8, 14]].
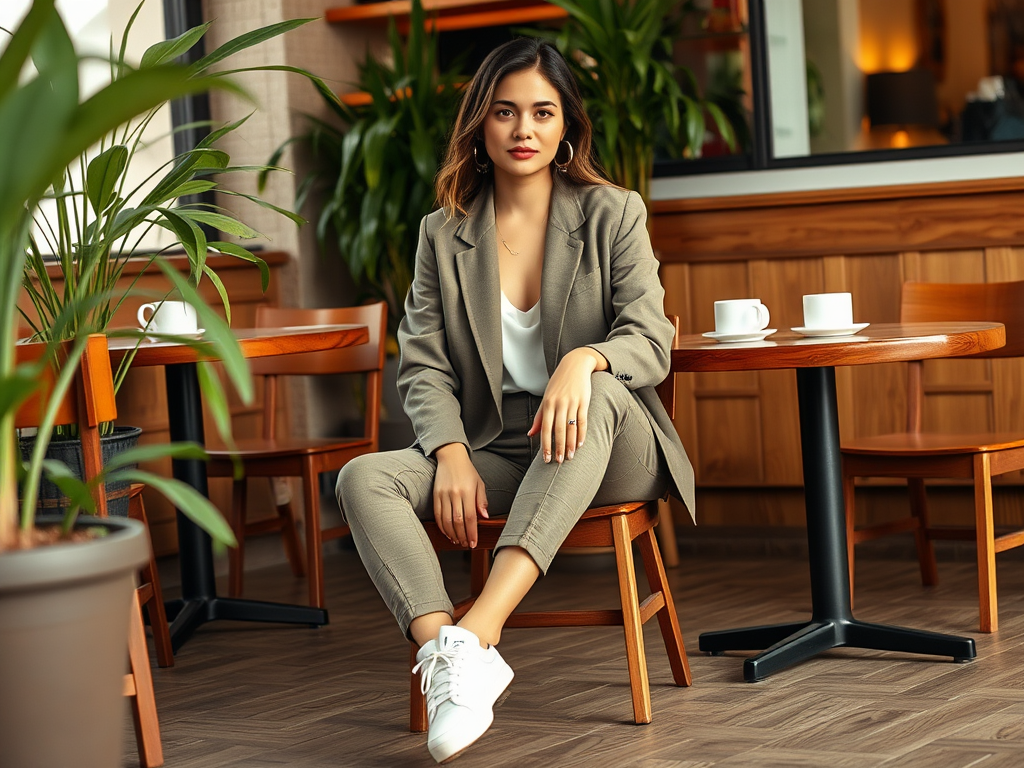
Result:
[[903, 98]]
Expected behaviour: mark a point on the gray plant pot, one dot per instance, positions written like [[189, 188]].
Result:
[[69, 452], [64, 647]]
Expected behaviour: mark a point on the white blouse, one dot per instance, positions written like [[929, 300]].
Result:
[[522, 349]]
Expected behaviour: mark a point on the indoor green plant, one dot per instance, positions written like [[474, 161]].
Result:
[[98, 220], [376, 174], [44, 126], [621, 51]]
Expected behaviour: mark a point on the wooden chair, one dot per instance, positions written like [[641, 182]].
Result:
[[151, 596], [89, 404], [916, 454], [272, 456], [618, 527]]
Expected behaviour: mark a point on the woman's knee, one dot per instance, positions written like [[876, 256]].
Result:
[[358, 478]]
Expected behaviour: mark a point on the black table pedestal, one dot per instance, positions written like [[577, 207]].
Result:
[[832, 624], [199, 603]]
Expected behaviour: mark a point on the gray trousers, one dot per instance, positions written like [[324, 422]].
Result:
[[384, 496]]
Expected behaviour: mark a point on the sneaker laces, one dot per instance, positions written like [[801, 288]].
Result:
[[428, 669]]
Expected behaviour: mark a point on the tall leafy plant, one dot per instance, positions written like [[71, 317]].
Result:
[[637, 98], [45, 127], [97, 220], [377, 172]]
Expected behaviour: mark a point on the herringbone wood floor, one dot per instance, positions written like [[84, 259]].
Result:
[[259, 696]]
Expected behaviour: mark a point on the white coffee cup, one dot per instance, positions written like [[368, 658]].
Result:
[[741, 316], [828, 310], [168, 317]]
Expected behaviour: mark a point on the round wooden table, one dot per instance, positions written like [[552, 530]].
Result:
[[199, 602], [831, 624]]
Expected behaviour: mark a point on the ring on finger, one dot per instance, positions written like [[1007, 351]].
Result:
[[572, 422]]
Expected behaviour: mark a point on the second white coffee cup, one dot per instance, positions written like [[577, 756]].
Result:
[[828, 310], [741, 316], [168, 317]]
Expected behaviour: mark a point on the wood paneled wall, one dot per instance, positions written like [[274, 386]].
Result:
[[741, 429], [142, 398]]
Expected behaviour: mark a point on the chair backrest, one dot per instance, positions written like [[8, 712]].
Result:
[[365, 358], [88, 403], [960, 302], [963, 302], [667, 388]]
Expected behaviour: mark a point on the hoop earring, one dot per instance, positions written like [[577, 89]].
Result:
[[480, 167], [564, 167]]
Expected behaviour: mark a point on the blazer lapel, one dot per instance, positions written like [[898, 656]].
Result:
[[480, 286], [562, 253]]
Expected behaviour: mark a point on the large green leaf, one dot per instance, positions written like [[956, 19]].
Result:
[[102, 176], [14, 56], [168, 50], [234, 249], [247, 40]]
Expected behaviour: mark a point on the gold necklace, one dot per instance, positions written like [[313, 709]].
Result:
[[507, 246]]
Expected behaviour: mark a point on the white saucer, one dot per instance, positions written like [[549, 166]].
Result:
[[162, 336], [848, 331], [749, 336]]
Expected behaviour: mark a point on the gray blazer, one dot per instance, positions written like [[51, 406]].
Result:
[[599, 288]]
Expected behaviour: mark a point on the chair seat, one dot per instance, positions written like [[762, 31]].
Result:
[[287, 446], [934, 443]]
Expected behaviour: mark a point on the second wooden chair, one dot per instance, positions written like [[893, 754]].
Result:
[[917, 454], [273, 456]]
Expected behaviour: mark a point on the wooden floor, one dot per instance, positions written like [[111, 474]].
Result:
[[259, 696]]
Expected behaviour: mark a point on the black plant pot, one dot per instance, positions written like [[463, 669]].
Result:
[[69, 452]]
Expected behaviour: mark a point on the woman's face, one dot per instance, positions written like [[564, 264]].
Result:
[[524, 124]]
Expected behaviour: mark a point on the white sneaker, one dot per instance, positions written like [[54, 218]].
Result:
[[461, 681]]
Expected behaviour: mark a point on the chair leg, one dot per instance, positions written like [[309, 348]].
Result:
[[155, 605], [236, 555], [850, 503], [417, 701], [925, 548], [143, 701], [635, 657], [985, 534], [290, 538], [668, 620], [666, 533], [314, 542]]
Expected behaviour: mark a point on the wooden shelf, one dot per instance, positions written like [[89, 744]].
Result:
[[449, 15]]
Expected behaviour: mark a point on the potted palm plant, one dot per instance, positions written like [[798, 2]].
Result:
[[97, 219], [46, 126]]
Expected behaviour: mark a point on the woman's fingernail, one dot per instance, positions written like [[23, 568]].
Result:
[[559, 458], [569, 455], [547, 457]]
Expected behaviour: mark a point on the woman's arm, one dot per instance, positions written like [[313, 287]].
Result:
[[638, 348], [427, 383]]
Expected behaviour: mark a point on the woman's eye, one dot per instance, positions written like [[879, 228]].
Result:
[[543, 113], [505, 113]]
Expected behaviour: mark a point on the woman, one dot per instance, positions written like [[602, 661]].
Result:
[[533, 338]]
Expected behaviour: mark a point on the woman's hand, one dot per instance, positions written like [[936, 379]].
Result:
[[562, 417], [459, 494]]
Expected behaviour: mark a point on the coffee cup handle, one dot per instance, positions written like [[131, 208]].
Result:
[[763, 317], [143, 320]]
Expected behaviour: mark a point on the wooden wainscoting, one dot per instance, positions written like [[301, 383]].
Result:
[[741, 429], [142, 398]]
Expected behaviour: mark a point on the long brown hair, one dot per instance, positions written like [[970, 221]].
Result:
[[458, 181]]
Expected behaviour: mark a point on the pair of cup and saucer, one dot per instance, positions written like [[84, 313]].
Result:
[[826, 315], [738, 320]]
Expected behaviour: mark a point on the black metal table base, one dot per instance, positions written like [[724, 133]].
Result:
[[199, 603], [789, 644], [187, 616], [832, 624]]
